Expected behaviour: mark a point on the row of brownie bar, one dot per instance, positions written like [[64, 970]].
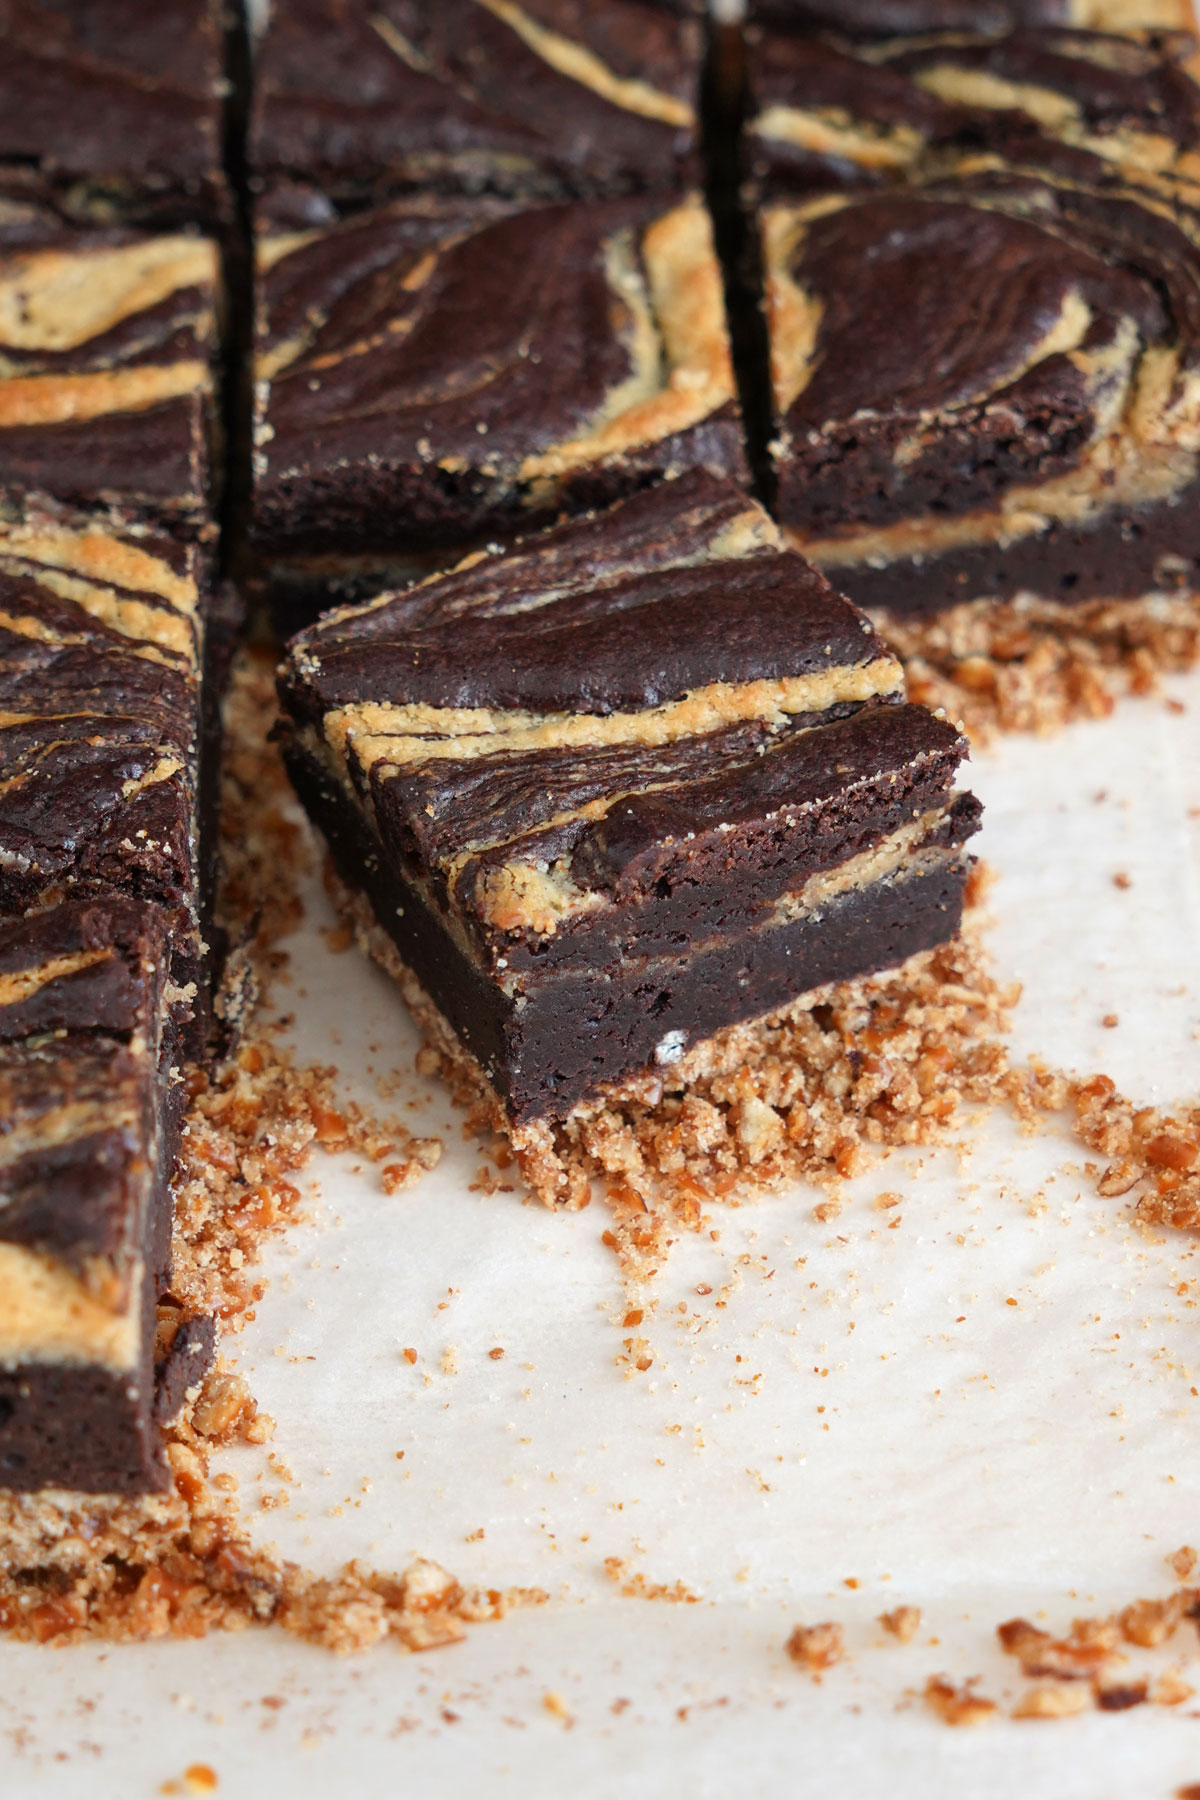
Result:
[[114, 638], [979, 258], [635, 778], [606, 791], [629, 770]]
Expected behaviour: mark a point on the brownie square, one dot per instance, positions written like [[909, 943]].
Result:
[[102, 647], [89, 1126], [107, 348], [621, 786], [1024, 423], [110, 110], [546, 98], [441, 372]]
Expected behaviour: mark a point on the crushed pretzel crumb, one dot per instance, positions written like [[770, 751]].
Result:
[[902, 1623], [1052, 1700], [1088, 1645], [636, 1587], [1029, 665], [816, 1647], [1172, 1690], [958, 1705]]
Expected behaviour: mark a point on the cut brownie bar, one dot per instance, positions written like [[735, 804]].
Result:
[[831, 113], [106, 866], [624, 785], [547, 98], [111, 109], [107, 341], [1026, 422], [90, 1109], [102, 638], [440, 372]]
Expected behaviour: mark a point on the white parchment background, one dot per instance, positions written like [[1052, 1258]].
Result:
[[973, 1457]]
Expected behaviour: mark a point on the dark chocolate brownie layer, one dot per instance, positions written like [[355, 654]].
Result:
[[613, 646], [820, 115], [1129, 95], [112, 108], [100, 646], [572, 1038], [588, 356], [624, 785], [546, 98], [1124, 553], [107, 341], [1035, 401]]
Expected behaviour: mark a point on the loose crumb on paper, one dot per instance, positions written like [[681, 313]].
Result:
[[958, 1704], [1027, 665], [634, 1585], [1088, 1667], [902, 1623], [816, 1647]]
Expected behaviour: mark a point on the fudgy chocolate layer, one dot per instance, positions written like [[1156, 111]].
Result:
[[821, 116], [703, 843], [1107, 84], [102, 641], [90, 1118], [963, 395], [1030, 423], [109, 682], [107, 341], [566, 1040], [86, 1429], [663, 526], [615, 648], [436, 810], [113, 107], [88, 1037], [542, 98], [1126, 552], [147, 464], [588, 357], [80, 966], [826, 112]]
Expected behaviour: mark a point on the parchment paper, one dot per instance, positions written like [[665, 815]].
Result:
[[868, 1406]]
